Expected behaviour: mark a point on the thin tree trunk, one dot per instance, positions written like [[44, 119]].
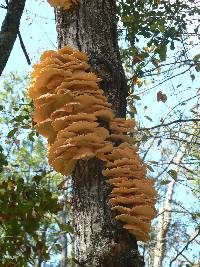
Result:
[[165, 211], [92, 28], [163, 226], [40, 258], [9, 30], [64, 240]]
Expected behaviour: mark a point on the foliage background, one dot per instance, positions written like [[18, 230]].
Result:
[[159, 43]]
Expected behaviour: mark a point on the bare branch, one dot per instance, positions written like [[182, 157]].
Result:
[[169, 123], [185, 247], [24, 48]]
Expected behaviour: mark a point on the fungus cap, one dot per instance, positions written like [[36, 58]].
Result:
[[141, 210], [63, 122], [45, 128], [136, 200], [133, 220], [137, 232]]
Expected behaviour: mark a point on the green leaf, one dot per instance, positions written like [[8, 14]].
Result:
[[136, 97], [31, 136], [173, 174], [197, 57], [37, 178], [76, 261], [133, 110], [150, 168], [153, 162], [148, 118], [162, 53], [159, 142], [172, 46], [192, 76], [66, 227], [197, 68], [144, 138], [12, 133], [164, 182]]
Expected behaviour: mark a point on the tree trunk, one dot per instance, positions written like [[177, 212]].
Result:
[[9, 30], [92, 27]]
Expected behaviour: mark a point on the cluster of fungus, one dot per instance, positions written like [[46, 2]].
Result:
[[70, 110], [65, 4], [133, 195]]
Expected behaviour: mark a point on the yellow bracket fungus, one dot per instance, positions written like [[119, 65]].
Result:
[[65, 4], [69, 109]]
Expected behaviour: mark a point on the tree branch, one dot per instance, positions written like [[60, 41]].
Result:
[[169, 123], [24, 48], [185, 247], [9, 30]]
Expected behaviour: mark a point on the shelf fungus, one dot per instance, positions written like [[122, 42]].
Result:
[[65, 4], [120, 130], [78, 122], [133, 196], [69, 106]]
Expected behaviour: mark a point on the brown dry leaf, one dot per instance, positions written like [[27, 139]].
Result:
[[161, 97]]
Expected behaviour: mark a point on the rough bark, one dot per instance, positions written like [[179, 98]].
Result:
[[92, 28], [100, 241], [9, 30]]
